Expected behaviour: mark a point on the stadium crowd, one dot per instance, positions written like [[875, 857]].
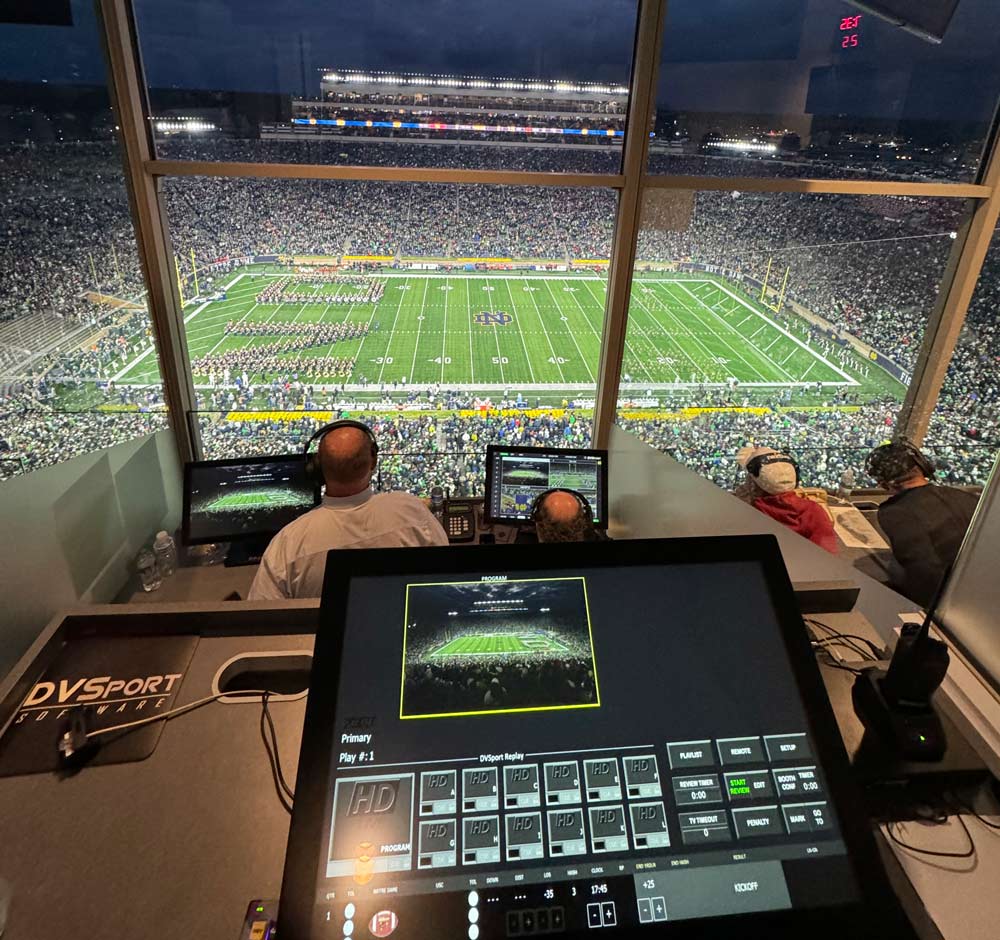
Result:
[[870, 265], [497, 682]]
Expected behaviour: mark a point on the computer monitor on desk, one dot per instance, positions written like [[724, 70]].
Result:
[[244, 502], [516, 476], [610, 735]]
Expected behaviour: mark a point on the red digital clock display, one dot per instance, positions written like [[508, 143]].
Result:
[[849, 27]]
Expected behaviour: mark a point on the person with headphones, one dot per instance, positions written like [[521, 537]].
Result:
[[924, 522], [563, 515], [772, 479], [350, 516]]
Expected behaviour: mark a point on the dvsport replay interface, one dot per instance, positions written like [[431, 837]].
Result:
[[572, 749]]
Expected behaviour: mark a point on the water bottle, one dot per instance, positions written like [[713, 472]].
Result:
[[166, 554], [149, 572]]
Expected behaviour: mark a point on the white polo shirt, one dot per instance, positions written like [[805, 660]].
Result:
[[295, 561]]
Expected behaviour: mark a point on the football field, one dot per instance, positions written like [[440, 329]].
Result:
[[260, 499], [514, 332], [492, 643]]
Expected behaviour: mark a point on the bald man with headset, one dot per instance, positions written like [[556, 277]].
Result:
[[350, 516]]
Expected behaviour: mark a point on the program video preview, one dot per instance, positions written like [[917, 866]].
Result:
[[497, 646]]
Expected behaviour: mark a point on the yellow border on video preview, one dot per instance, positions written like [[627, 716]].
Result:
[[498, 711]]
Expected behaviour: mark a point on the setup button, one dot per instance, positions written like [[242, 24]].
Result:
[[781, 747]]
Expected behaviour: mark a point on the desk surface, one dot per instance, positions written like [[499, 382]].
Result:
[[197, 829], [173, 846]]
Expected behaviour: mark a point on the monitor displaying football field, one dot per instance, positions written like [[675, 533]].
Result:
[[490, 647], [517, 476], [229, 500]]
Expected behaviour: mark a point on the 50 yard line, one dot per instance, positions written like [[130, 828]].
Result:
[[524, 345], [468, 311], [496, 336]]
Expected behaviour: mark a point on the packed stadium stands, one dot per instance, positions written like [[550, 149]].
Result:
[[870, 265]]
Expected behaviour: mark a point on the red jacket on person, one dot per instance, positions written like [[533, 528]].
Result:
[[800, 515]]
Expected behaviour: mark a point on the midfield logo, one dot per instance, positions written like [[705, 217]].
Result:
[[500, 318]]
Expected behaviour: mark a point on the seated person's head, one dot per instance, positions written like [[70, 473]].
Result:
[[768, 471], [898, 466], [347, 456], [563, 516]]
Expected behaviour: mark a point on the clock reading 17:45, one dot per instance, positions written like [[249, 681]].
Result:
[[849, 31]]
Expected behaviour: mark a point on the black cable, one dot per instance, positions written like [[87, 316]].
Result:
[[967, 807], [968, 853], [832, 665], [835, 632], [826, 642], [274, 746], [272, 757], [848, 640]]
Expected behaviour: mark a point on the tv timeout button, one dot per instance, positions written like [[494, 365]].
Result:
[[722, 889]]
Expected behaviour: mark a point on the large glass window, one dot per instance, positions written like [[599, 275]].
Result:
[[72, 300], [787, 320], [470, 85], [964, 433], [450, 316], [813, 88]]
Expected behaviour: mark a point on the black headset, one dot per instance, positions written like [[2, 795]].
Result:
[[314, 469], [756, 464], [905, 454], [581, 501]]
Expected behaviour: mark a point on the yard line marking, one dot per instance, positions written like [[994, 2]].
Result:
[[628, 346], [364, 339], [722, 338], [781, 329], [789, 356], [524, 345], [468, 308], [496, 337], [420, 323], [670, 336], [444, 333], [583, 358], [804, 374], [541, 323], [388, 345]]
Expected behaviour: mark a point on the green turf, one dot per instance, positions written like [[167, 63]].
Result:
[[682, 330], [485, 645], [261, 499]]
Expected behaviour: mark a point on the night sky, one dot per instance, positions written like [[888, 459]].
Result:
[[723, 55]]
